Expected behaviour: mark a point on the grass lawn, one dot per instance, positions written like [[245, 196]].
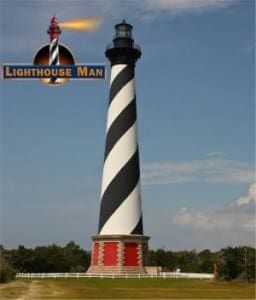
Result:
[[85, 288]]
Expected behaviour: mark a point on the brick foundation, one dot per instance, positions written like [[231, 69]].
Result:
[[119, 254]]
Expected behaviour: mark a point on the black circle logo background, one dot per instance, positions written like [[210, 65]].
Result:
[[66, 57]]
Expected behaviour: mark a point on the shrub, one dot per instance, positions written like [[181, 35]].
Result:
[[7, 274]]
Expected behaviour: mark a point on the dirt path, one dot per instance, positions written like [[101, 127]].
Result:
[[33, 292], [30, 290], [13, 290]]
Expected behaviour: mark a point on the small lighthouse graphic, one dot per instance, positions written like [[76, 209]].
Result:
[[120, 246], [54, 31]]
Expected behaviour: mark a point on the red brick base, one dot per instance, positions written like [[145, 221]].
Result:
[[119, 254]]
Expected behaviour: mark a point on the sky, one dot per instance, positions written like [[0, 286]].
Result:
[[196, 121]]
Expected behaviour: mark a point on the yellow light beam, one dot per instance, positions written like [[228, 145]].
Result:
[[84, 24]]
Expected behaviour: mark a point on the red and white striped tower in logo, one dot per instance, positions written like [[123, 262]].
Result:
[[120, 246]]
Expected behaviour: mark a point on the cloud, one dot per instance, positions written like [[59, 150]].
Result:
[[178, 6], [212, 228], [206, 170], [151, 9], [206, 221], [217, 154], [250, 198], [238, 217]]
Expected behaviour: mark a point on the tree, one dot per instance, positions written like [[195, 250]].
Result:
[[188, 261], [206, 261], [248, 264], [19, 258], [237, 263], [77, 258], [160, 257], [7, 272]]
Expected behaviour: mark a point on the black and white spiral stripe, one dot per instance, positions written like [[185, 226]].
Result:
[[121, 211], [54, 57]]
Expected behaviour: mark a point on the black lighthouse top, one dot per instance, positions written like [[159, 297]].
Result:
[[123, 50]]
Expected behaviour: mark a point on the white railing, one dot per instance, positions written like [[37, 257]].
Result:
[[113, 276]]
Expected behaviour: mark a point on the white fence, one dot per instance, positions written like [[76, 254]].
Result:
[[163, 275], [188, 275]]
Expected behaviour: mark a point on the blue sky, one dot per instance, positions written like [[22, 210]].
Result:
[[195, 98]]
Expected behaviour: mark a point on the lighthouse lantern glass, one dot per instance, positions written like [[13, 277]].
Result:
[[123, 31]]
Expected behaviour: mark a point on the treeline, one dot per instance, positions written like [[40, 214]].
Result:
[[43, 259], [231, 263]]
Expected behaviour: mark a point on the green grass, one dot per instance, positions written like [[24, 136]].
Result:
[[85, 288]]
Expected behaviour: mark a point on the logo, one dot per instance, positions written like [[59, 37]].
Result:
[[54, 63]]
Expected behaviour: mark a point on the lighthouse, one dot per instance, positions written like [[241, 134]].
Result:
[[120, 246], [54, 32]]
